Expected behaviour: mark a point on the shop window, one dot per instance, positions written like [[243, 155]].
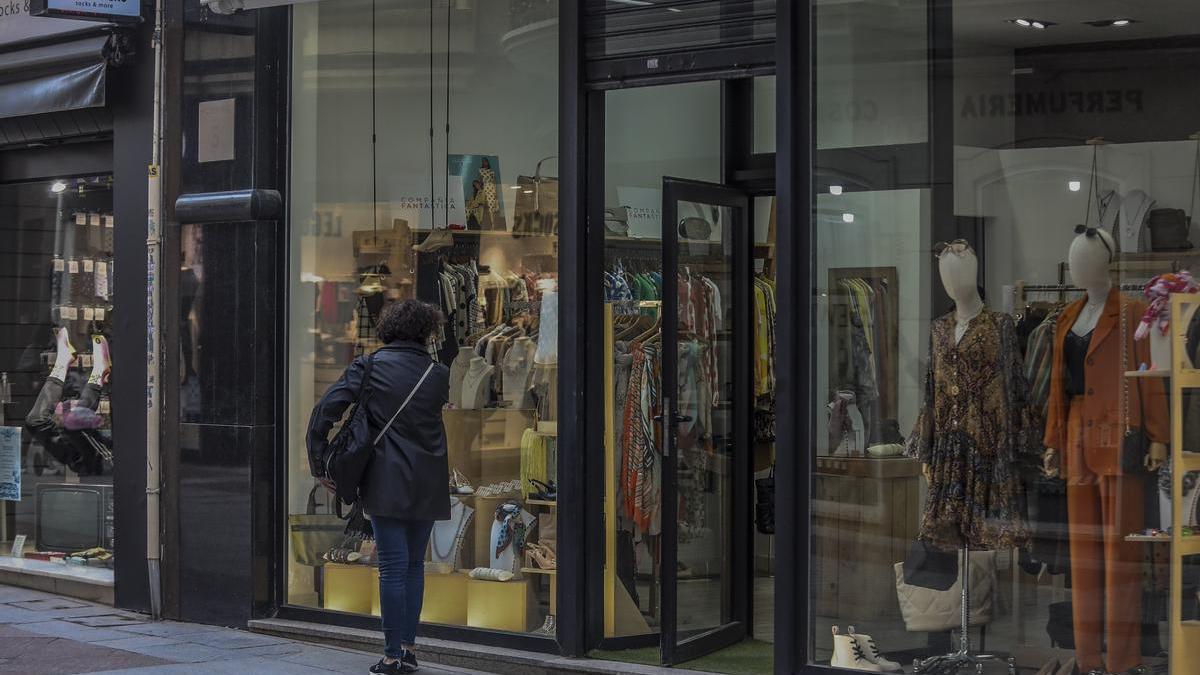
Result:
[[56, 499], [984, 345], [466, 220]]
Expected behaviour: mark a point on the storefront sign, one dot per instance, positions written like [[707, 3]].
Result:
[[1076, 102], [120, 11], [18, 25], [10, 463]]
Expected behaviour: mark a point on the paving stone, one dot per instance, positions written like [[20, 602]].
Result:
[[232, 639], [30, 654], [138, 641], [168, 628], [48, 604], [65, 629], [106, 620]]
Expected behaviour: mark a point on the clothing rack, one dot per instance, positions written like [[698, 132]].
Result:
[[1062, 289]]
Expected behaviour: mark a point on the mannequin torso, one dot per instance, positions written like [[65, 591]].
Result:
[[959, 272]]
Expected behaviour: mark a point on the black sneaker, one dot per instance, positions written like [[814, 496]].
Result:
[[406, 664]]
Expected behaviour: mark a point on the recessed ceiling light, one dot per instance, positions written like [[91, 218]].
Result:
[[835, 189], [847, 217], [1036, 24], [674, 9], [1111, 23], [1074, 185]]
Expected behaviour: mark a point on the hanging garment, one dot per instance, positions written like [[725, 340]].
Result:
[[972, 430]]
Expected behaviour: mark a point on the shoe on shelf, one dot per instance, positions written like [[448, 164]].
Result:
[[437, 239], [548, 627], [459, 484], [545, 492], [542, 556], [867, 643], [847, 654]]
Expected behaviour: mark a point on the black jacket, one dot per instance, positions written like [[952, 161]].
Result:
[[409, 475]]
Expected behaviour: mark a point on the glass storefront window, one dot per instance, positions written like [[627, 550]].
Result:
[[982, 343], [55, 412], [467, 220]]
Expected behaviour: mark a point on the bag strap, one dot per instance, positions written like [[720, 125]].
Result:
[[405, 404]]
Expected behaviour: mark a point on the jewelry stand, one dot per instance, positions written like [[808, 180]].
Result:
[[963, 658]]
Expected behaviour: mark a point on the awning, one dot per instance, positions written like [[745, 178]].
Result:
[[53, 77]]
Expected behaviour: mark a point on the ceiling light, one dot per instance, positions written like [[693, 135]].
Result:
[[515, 187], [1022, 22], [1036, 24], [674, 9], [1121, 22], [1111, 23], [58, 187], [1074, 185], [835, 189], [847, 217]]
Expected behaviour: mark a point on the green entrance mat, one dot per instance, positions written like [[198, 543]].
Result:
[[750, 657]]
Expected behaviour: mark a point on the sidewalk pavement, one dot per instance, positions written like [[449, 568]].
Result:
[[47, 634]]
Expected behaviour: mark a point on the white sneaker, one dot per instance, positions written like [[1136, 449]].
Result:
[[848, 654], [437, 239], [867, 644]]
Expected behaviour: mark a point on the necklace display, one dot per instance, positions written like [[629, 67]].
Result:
[[453, 530]]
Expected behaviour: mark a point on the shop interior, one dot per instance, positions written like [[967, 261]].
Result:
[[56, 501]]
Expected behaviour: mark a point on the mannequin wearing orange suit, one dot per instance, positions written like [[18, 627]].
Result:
[[1084, 430]]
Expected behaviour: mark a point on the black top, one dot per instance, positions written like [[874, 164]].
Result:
[[408, 478], [1075, 349]]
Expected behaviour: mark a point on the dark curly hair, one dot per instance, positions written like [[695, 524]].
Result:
[[409, 320]]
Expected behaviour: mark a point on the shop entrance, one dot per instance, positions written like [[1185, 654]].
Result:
[[686, 575]]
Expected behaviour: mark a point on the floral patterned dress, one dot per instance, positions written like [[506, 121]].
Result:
[[973, 431]]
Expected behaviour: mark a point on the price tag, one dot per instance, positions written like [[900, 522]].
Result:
[[100, 312], [108, 221], [89, 313], [94, 219], [59, 265], [69, 313], [85, 361], [88, 265], [73, 266]]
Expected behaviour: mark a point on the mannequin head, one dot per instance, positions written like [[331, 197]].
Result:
[[959, 269], [1089, 258]]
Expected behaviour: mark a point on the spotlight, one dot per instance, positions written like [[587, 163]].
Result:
[[1038, 25], [58, 186], [847, 217], [1121, 22], [1022, 22], [1074, 185], [835, 189]]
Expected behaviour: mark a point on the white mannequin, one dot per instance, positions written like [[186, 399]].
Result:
[[445, 542], [477, 384], [1089, 260], [960, 273]]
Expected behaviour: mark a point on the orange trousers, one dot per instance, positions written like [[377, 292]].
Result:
[[1106, 579]]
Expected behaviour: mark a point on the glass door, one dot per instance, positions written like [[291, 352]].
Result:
[[705, 412]]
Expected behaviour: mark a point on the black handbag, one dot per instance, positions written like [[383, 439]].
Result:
[[1136, 443], [930, 567], [346, 458], [764, 506]]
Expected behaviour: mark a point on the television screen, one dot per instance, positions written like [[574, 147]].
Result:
[[69, 518]]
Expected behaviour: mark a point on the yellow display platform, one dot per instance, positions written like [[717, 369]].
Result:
[[349, 588], [445, 599], [496, 605]]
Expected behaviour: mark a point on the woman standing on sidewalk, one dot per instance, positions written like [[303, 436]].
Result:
[[404, 490]]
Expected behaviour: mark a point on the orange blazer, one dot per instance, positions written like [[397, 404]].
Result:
[[1104, 414]]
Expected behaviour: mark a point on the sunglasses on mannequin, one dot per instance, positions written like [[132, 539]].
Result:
[[958, 247], [1093, 233]]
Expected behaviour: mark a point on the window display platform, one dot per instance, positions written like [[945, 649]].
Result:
[[76, 581]]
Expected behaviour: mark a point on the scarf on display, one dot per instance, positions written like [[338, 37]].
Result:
[[508, 514]]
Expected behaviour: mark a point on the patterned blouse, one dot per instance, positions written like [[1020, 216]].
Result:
[[972, 431]]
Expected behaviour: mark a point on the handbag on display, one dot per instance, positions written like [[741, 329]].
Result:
[[312, 533], [930, 567], [536, 208], [764, 506], [1169, 230], [1136, 443]]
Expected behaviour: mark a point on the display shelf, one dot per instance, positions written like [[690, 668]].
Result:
[[1149, 539], [1148, 373], [538, 570], [1190, 461], [540, 502], [1184, 652]]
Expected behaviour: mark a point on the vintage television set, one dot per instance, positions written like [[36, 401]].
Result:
[[73, 517]]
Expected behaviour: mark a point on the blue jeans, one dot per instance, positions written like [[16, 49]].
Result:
[[400, 545]]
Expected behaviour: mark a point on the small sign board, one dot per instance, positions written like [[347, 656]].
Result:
[[109, 11]]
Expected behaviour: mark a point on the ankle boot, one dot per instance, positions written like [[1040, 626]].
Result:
[[867, 644], [847, 654]]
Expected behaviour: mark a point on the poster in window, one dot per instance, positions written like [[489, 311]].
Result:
[[10, 463], [480, 175]]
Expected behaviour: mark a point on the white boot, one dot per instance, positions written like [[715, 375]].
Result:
[[867, 644], [847, 654]]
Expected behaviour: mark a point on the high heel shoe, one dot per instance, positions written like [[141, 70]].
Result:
[[546, 492], [543, 556], [459, 484]]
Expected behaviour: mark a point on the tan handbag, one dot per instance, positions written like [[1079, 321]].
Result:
[[536, 209], [547, 531], [312, 533]]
